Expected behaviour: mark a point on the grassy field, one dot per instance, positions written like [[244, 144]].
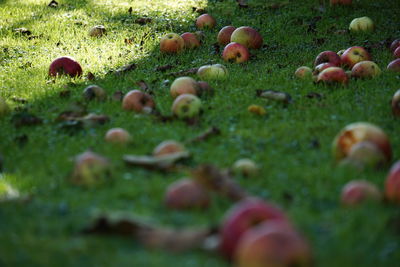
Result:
[[295, 173]]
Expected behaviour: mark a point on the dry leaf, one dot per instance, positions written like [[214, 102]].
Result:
[[204, 136], [164, 68], [160, 162], [275, 95], [125, 69]]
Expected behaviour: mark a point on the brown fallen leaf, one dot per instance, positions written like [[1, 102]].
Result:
[[74, 110], [161, 162], [90, 76], [164, 68], [205, 135], [143, 21], [25, 118], [125, 69], [184, 72], [219, 181]]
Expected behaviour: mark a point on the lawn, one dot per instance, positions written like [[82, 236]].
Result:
[[291, 144]]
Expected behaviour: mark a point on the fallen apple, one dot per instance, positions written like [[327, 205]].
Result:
[[235, 53], [245, 167], [363, 24], [358, 191], [171, 43], [94, 92], [394, 45], [190, 39], [186, 194], [328, 57], [364, 155], [365, 70], [118, 136], [65, 66], [184, 85], [186, 106], [395, 104], [392, 184], [205, 21], [168, 147], [97, 31], [138, 101], [333, 75], [90, 169], [224, 35], [353, 55], [212, 72], [303, 72], [396, 52], [394, 65], [248, 37], [319, 68]]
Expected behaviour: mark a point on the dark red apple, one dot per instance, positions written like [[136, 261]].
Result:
[[248, 37], [394, 65], [65, 66], [186, 194], [394, 45], [224, 35], [392, 184], [328, 57], [205, 21], [235, 52], [357, 191]]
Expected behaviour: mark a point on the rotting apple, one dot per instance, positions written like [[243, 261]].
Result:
[[171, 43], [395, 104], [242, 216], [328, 57], [190, 39], [4, 108], [394, 65], [97, 31], [363, 24], [392, 184], [248, 37], [212, 72], [184, 85], [272, 244], [118, 136], [353, 55], [138, 101], [358, 191], [65, 66], [360, 132], [235, 53], [186, 106], [303, 72], [224, 35], [168, 147], [94, 92], [90, 169], [365, 70], [333, 75], [206, 21], [245, 167], [186, 194]]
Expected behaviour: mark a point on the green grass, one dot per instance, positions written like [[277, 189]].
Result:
[[45, 230]]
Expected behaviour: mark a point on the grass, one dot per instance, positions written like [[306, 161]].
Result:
[[37, 159]]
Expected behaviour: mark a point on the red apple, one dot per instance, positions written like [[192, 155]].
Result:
[[394, 45], [353, 55], [184, 85], [186, 194], [235, 52], [118, 136], [392, 184], [248, 37], [340, 2], [138, 101], [357, 191], [168, 147], [396, 52], [90, 169], [328, 57], [319, 68], [205, 21], [272, 244], [303, 72], [333, 75], [65, 66], [365, 69], [396, 104], [243, 216], [171, 43], [190, 39], [394, 65], [224, 35], [359, 132], [186, 106]]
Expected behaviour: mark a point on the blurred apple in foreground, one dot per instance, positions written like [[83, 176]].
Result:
[[365, 69], [328, 57], [248, 37], [357, 191], [171, 43], [224, 35], [235, 53], [168, 147], [364, 155], [333, 75], [138, 101], [212, 72], [392, 184], [205, 21], [243, 216], [186, 106], [190, 39], [360, 132], [118, 136], [394, 65], [90, 169], [363, 24], [186, 194], [184, 85], [353, 55], [65, 66]]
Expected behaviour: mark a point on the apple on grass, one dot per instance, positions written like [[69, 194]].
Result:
[[333, 75], [65, 66], [186, 106], [97, 31], [94, 92], [190, 39], [168, 147], [394, 45], [364, 155], [353, 55], [90, 169], [118, 136], [363, 24], [394, 65], [186, 194], [328, 57], [248, 37], [184, 85], [138, 101], [319, 68], [205, 21], [224, 35], [396, 52], [360, 132], [395, 104], [357, 191], [236, 53], [365, 69], [303, 72], [242, 216], [392, 184], [171, 43], [212, 72]]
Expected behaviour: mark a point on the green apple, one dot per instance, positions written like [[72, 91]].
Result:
[[186, 106], [212, 72], [363, 24]]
